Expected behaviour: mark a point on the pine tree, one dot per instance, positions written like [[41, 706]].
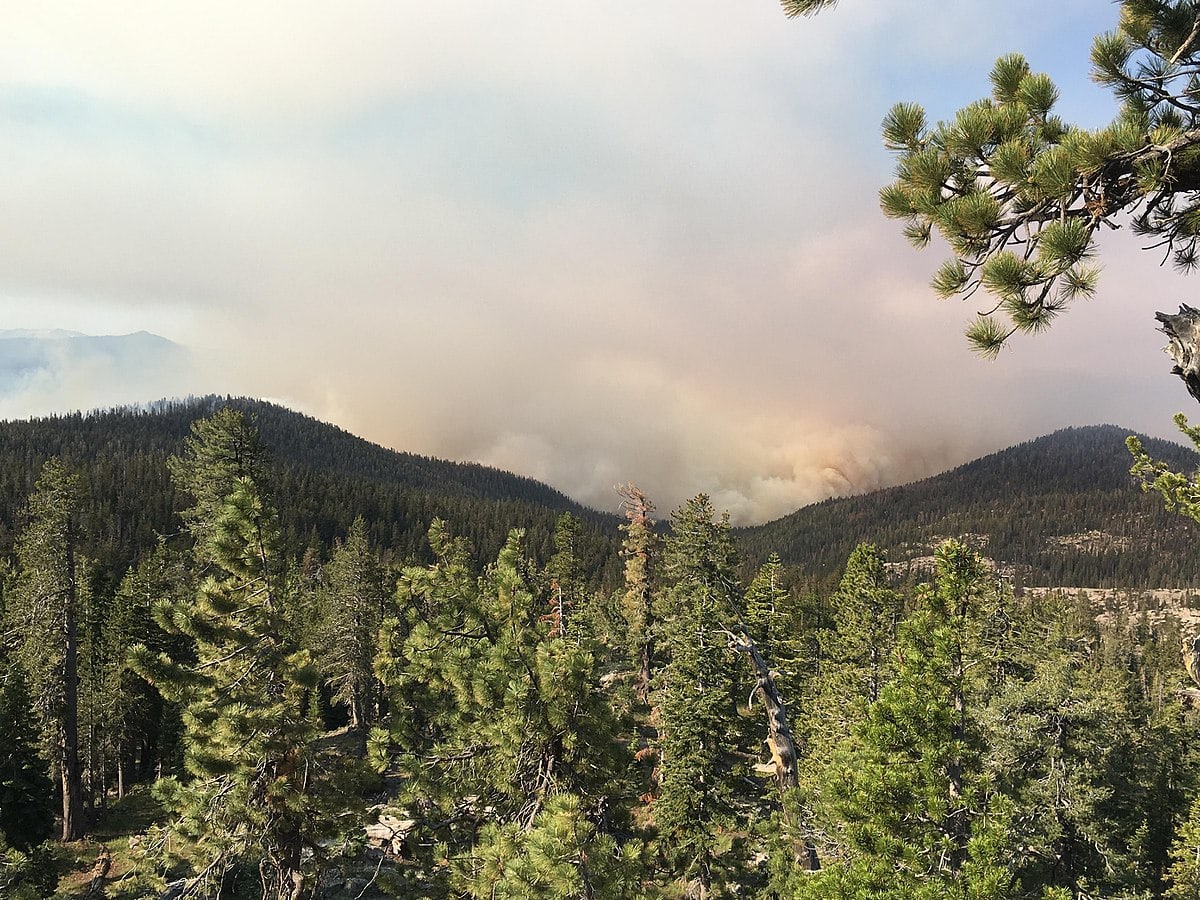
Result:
[[1184, 873], [697, 699], [857, 657], [26, 791], [143, 726], [248, 805], [564, 580], [867, 614], [493, 713], [1097, 776], [561, 856], [1058, 746], [43, 610], [767, 622], [905, 797], [222, 450], [351, 605]]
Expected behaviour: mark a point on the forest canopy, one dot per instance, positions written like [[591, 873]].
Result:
[[333, 720]]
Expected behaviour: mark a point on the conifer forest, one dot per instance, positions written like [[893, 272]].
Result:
[[245, 654], [603, 707]]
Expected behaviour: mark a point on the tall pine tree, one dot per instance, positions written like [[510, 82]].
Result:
[[246, 812], [43, 609], [351, 605], [697, 699], [904, 800]]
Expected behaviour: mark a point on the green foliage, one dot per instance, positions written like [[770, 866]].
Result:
[[248, 801], [1059, 747], [955, 740], [770, 619], [43, 609], [904, 802], [697, 698], [806, 7], [25, 874], [494, 707], [1180, 492], [561, 856], [867, 613], [1184, 873], [351, 606], [322, 478], [144, 730], [26, 792], [222, 451], [1019, 197]]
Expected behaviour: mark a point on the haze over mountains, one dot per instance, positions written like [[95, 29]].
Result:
[[56, 370], [758, 467]]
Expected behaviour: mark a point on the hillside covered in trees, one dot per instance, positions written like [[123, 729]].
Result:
[[236, 715], [324, 479], [1061, 510]]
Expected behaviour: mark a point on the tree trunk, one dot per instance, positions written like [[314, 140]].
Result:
[[644, 672], [1183, 330], [72, 782], [779, 735]]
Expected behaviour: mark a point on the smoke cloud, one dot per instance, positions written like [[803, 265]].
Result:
[[590, 243]]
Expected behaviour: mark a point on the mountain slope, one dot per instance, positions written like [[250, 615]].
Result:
[[1061, 510], [325, 478]]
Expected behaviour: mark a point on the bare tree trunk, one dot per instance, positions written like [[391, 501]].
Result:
[[95, 889], [644, 669], [779, 735], [121, 754], [1183, 330]]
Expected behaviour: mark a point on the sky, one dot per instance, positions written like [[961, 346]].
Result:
[[591, 243]]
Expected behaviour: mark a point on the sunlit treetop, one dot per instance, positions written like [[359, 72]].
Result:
[[1019, 195]]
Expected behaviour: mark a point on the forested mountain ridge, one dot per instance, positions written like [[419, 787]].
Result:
[[325, 478], [1058, 510], [252, 710]]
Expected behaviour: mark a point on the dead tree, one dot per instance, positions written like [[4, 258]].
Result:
[[779, 736], [1183, 332], [638, 548]]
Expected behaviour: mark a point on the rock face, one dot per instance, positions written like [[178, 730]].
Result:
[[1183, 331], [390, 833], [1191, 657]]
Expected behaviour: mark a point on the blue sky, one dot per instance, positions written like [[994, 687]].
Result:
[[590, 243]]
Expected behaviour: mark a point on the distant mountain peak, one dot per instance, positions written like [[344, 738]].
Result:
[[39, 334]]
